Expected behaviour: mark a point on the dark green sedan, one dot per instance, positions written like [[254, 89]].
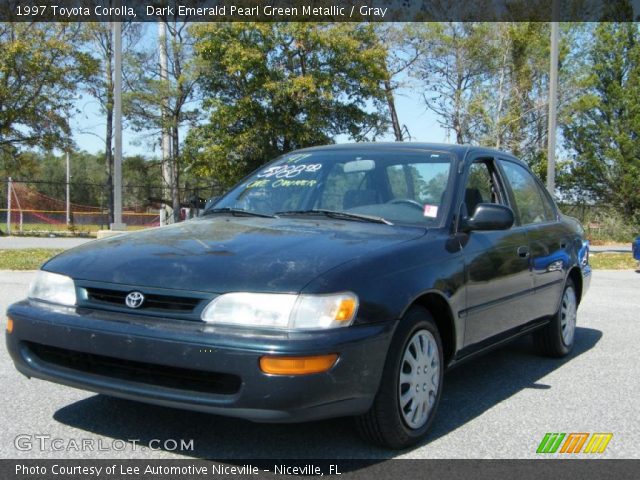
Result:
[[334, 281]]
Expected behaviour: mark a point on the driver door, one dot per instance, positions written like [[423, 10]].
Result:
[[498, 279]]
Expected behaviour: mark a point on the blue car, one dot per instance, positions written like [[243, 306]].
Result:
[[635, 246]]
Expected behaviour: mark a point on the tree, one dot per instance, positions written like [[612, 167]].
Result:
[[39, 73], [161, 101], [513, 99], [99, 44], [489, 83], [402, 54], [273, 87], [452, 67], [604, 132]]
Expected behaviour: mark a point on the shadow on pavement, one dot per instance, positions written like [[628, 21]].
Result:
[[469, 391], [478, 385]]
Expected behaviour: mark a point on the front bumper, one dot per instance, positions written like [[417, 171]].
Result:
[[191, 365]]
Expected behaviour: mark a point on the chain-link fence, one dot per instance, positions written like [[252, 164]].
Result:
[[41, 207]]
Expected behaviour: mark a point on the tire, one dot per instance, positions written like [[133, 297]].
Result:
[[556, 339], [388, 424]]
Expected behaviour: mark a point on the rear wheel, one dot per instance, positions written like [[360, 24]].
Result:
[[557, 338], [411, 383]]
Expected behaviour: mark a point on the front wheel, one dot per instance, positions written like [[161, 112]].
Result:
[[411, 384], [557, 338]]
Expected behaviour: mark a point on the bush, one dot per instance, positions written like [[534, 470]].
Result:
[[603, 224]]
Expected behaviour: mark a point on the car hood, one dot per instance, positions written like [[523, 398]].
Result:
[[225, 253]]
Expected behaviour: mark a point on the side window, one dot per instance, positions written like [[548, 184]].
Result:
[[482, 186], [531, 202]]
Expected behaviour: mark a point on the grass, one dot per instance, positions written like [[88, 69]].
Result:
[[612, 261], [25, 259], [63, 230]]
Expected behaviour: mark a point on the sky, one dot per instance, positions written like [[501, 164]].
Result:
[[88, 125]]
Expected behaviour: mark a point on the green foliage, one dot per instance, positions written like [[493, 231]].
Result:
[[153, 101], [605, 125], [98, 44], [141, 179], [268, 88], [603, 224], [488, 82], [520, 118], [39, 73], [87, 177], [273, 87]]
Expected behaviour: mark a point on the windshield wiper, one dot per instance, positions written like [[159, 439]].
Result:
[[336, 214], [236, 211]]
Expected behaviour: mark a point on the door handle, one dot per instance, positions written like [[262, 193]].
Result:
[[523, 251]]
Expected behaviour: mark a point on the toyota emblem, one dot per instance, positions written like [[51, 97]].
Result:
[[134, 300]]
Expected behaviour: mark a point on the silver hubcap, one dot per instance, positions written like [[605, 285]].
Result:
[[419, 379], [568, 314]]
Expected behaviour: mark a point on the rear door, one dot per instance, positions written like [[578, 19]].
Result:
[[549, 243]]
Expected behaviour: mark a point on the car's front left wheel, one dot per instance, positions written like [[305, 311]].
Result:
[[411, 384]]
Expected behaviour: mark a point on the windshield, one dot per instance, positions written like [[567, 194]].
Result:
[[389, 185]]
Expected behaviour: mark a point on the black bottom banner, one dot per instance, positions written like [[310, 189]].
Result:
[[583, 469]]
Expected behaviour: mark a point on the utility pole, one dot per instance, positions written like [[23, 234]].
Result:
[[553, 94], [117, 124], [167, 170], [68, 191]]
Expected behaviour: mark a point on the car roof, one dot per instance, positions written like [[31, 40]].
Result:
[[460, 150]]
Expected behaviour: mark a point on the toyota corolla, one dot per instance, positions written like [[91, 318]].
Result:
[[334, 281]]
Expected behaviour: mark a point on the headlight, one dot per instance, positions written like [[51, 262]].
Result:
[[286, 311], [54, 288]]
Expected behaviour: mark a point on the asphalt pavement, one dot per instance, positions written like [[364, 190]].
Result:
[[498, 406], [14, 243], [616, 248]]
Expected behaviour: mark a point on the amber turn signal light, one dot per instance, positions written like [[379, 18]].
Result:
[[346, 310], [297, 365], [9, 324]]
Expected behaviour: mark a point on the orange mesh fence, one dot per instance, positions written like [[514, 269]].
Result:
[[37, 205], [28, 198]]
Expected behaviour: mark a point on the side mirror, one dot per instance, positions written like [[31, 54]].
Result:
[[489, 216]]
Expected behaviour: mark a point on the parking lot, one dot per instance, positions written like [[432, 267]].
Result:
[[498, 406]]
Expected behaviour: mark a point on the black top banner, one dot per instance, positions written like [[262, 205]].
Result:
[[319, 10]]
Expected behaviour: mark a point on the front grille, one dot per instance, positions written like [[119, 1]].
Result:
[[139, 372], [151, 301]]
